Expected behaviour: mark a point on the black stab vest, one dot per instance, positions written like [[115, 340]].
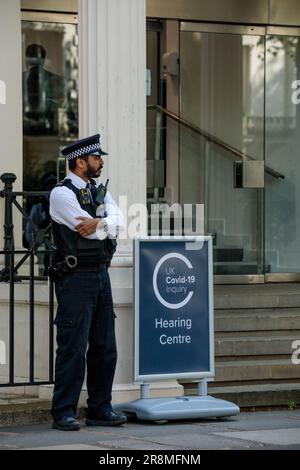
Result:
[[89, 253]]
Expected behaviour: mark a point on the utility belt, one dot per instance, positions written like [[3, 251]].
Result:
[[90, 269], [70, 265]]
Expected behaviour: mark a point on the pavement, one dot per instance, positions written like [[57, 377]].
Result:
[[272, 430]]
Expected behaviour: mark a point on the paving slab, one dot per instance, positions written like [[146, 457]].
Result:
[[67, 447], [270, 436], [251, 430]]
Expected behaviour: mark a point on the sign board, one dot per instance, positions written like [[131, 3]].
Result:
[[173, 308]]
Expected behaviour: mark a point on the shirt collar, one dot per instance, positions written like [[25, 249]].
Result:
[[76, 180]]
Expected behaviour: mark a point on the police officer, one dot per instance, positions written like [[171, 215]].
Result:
[[85, 221]]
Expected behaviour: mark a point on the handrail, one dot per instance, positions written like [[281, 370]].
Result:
[[211, 138]]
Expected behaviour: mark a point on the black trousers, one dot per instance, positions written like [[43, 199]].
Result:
[[85, 323]]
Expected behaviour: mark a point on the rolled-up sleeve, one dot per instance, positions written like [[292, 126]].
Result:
[[115, 219]]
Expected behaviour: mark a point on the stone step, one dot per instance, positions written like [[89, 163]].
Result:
[[256, 296], [257, 320], [247, 370], [256, 334], [16, 410], [257, 395], [254, 346]]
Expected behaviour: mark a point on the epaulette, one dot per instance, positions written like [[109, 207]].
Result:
[[63, 182]]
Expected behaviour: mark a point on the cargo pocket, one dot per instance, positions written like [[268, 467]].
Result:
[[68, 340], [64, 322]]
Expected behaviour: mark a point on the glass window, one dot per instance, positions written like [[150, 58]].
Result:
[[282, 153], [50, 98]]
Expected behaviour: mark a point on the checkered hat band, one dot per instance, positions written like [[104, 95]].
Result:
[[83, 151]]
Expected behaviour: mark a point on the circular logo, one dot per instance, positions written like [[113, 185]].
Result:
[[154, 281]]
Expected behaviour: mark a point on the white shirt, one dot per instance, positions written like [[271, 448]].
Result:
[[64, 208]]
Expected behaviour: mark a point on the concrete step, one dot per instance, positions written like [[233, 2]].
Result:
[[256, 296], [257, 320], [16, 410], [247, 370], [254, 346], [257, 395]]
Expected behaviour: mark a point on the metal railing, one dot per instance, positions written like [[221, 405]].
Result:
[[9, 274], [211, 138]]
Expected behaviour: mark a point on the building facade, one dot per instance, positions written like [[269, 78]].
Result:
[[197, 102]]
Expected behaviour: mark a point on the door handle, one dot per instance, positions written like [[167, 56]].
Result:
[[249, 174]]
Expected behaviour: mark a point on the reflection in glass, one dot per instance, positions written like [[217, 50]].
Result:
[[50, 97], [222, 95], [282, 153], [50, 120], [43, 93], [156, 151]]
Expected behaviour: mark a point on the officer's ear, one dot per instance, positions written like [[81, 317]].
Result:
[[81, 162]]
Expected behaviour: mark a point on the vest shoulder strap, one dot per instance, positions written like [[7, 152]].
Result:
[[68, 183], [83, 199], [63, 182]]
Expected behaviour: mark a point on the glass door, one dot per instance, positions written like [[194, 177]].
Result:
[[155, 130], [234, 144], [282, 150], [222, 74]]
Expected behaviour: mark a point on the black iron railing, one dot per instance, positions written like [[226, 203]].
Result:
[[38, 245]]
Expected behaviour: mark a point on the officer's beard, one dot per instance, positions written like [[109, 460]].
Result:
[[91, 172]]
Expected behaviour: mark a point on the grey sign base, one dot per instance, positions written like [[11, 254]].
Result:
[[187, 407]]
